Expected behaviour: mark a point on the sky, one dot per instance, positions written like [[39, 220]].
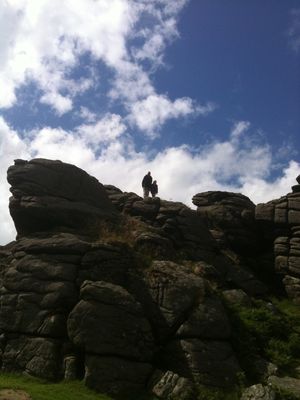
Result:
[[202, 93]]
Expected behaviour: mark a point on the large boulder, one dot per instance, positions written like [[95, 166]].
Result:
[[108, 320], [110, 327], [230, 218], [55, 196]]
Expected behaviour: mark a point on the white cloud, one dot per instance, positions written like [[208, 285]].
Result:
[[11, 147], [156, 41], [43, 41], [234, 165], [87, 115], [60, 103], [260, 190], [107, 129], [239, 128], [152, 112], [131, 83], [60, 144]]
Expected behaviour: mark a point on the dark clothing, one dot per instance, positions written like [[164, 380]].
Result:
[[154, 189], [147, 181]]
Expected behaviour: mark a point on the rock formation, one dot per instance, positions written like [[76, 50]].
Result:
[[125, 292], [54, 196], [280, 221]]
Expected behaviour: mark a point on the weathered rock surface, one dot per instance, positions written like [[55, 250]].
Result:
[[230, 218], [134, 308], [258, 392], [280, 221], [168, 385], [174, 230], [209, 362], [286, 384], [173, 226], [103, 312], [54, 196]]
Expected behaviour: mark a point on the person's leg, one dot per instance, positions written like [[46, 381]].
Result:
[[146, 192]]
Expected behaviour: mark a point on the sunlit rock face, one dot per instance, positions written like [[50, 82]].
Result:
[[125, 292]]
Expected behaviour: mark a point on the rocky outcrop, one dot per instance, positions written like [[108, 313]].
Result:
[[62, 297], [77, 302], [230, 219], [51, 196], [173, 230], [279, 220], [123, 291], [174, 226]]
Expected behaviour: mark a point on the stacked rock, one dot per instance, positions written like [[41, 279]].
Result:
[[280, 221]]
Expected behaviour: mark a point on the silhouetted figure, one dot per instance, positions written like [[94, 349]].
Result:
[[154, 189], [146, 184]]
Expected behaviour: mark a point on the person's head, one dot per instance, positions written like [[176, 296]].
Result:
[[149, 173], [154, 181]]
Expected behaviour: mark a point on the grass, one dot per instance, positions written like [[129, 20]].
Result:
[[267, 331], [206, 393], [126, 234], [125, 231], [41, 390]]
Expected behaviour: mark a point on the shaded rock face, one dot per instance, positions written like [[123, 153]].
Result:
[[175, 231], [65, 298], [174, 226], [53, 196], [40, 294], [73, 306], [280, 222], [230, 219], [124, 318]]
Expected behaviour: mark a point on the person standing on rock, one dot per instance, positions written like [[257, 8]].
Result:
[[146, 184], [154, 189]]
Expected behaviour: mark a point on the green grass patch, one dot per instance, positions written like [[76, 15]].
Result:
[[206, 393], [42, 390], [284, 395], [268, 330]]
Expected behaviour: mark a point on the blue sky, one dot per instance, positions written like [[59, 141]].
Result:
[[204, 93]]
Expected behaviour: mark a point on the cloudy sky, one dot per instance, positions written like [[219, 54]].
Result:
[[203, 93]]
